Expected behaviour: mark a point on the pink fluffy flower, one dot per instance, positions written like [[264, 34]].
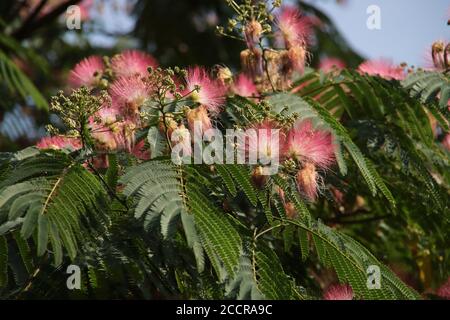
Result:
[[444, 290], [132, 62], [294, 29], [87, 72], [129, 93], [383, 68], [59, 142], [338, 292], [307, 144], [244, 86], [330, 64], [446, 142], [211, 93]]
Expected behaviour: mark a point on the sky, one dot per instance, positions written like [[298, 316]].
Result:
[[408, 27]]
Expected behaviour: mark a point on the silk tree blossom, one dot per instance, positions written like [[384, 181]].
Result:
[[338, 292], [330, 64], [382, 68], [205, 90], [129, 93], [87, 72], [132, 63], [244, 86], [295, 30], [59, 143], [312, 148], [306, 144]]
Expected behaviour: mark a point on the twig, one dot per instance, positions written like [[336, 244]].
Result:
[[27, 28]]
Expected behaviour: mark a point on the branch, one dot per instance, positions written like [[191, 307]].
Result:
[[30, 26], [31, 17]]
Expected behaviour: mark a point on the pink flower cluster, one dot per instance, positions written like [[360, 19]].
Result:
[[113, 127], [312, 148], [295, 29], [295, 32], [208, 92], [382, 68]]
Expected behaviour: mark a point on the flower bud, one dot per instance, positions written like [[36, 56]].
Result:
[[306, 179]]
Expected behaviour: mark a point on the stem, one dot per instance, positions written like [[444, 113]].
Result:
[[166, 129], [268, 230], [110, 191], [266, 69], [235, 6]]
